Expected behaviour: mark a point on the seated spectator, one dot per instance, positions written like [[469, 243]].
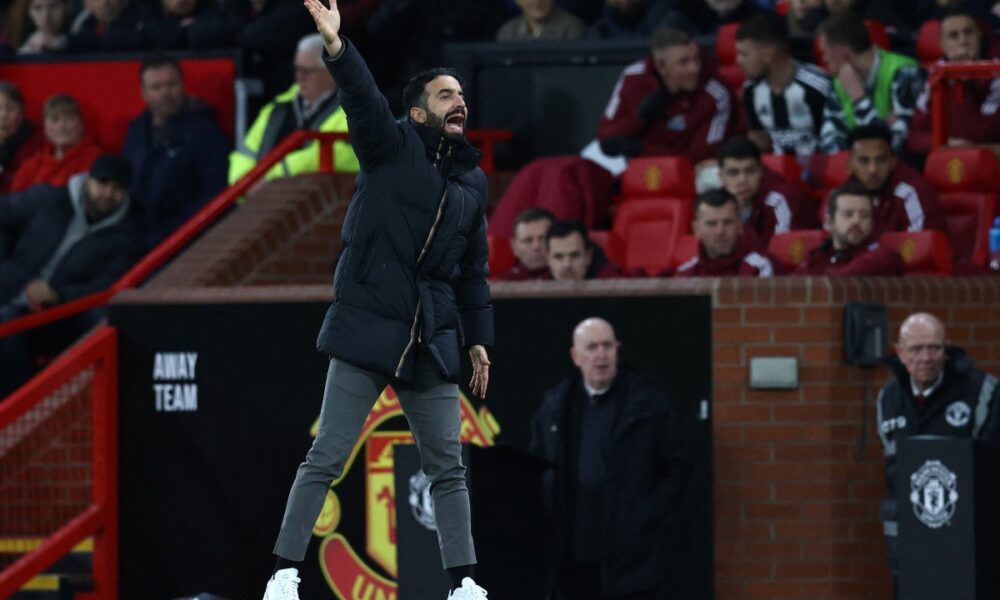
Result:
[[49, 18], [628, 19], [704, 17], [189, 24], [67, 152], [106, 26], [724, 246], [572, 257], [665, 104], [541, 20], [528, 245], [18, 137], [851, 248], [59, 244], [783, 98], [311, 103], [903, 200], [767, 203], [972, 113], [870, 83], [177, 151]]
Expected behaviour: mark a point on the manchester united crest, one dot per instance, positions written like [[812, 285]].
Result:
[[933, 494]]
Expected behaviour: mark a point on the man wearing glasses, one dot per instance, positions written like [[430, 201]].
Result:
[[311, 103], [936, 390]]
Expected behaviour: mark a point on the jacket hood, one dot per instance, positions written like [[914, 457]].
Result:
[[75, 189]]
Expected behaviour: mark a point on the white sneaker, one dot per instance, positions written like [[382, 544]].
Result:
[[468, 591], [284, 585]]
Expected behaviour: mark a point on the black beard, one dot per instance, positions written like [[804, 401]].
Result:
[[437, 124]]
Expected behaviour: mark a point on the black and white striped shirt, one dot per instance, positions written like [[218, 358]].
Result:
[[792, 118]]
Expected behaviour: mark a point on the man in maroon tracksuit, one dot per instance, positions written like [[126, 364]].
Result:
[[724, 248], [768, 204], [664, 104], [573, 257], [850, 250], [528, 245], [668, 104], [903, 200], [973, 116]]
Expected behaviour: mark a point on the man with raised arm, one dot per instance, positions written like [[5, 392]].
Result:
[[410, 288]]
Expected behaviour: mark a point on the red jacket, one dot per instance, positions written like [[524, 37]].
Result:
[[748, 259], [972, 115], [693, 124], [43, 167], [866, 259], [779, 207], [908, 203], [519, 272]]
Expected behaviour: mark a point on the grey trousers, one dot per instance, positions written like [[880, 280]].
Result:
[[431, 406]]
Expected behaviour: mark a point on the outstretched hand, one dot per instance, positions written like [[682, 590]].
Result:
[[327, 23], [480, 370]]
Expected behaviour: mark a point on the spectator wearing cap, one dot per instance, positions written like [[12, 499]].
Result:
[[59, 244], [68, 151]]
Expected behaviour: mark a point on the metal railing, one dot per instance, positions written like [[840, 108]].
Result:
[[941, 77], [59, 466]]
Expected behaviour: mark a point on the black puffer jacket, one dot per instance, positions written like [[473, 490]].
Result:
[[964, 406], [413, 270], [648, 465]]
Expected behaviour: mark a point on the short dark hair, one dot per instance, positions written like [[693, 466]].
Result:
[[565, 228], [12, 93], [530, 215], [159, 60], [962, 10], [415, 92], [765, 28], [738, 147], [851, 188], [714, 198], [876, 130], [846, 29], [61, 105], [668, 37]]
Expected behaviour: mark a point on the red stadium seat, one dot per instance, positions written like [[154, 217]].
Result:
[[836, 170], [969, 217], [781, 7], [725, 44], [501, 255], [733, 77], [685, 250], [963, 169], [876, 31], [658, 177], [791, 248], [600, 238], [649, 247], [677, 212], [786, 165], [924, 252], [929, 42]]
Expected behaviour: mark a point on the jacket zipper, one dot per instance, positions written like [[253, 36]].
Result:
[[420, 258]]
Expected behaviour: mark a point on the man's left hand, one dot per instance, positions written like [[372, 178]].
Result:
[[40, 294], [480, 370]]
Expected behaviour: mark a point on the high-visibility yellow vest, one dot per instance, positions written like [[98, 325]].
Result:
[[261, 139]]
